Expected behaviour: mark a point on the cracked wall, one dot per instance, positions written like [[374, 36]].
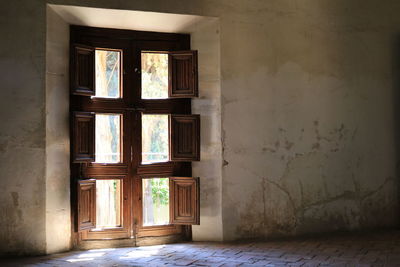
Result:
[[309, 112], [319, 150]]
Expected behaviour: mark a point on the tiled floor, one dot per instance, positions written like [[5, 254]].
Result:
[[373, 249]]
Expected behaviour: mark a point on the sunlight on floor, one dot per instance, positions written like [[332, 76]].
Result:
[[364, 249], [77, 260], [90, 255], [143, 252], [138, 252]]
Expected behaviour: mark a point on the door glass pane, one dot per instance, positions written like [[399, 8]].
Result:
[[154, 76], [155, 141], [108, 138], [108, 77], [155, 201], [108, 203]]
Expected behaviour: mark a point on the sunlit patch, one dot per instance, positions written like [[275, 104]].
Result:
[[98, 254], [89, 256], [144, 252], [157, 247], [101, 249], [78, 260]]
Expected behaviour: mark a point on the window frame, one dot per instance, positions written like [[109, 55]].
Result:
[[130, 106]]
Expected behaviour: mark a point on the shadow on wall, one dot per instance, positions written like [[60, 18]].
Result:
[[396, 104]]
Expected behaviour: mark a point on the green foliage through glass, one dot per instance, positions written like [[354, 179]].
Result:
[[155, 201]]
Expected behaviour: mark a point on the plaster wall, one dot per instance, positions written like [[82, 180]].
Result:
[[23, 130], [309, 112], [58, 213]]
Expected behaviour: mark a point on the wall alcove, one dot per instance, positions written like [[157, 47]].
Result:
[[205, 38]]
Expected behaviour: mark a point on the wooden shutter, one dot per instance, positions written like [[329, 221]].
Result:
[[83, 146], [184, 200], [86, 204], [83, 70], [185, 137], [183, 74]]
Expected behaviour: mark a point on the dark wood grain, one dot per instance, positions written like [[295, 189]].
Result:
[[83, 147], [185, 137], [185, 200], [183, 74], [87, 204], [83, 73]]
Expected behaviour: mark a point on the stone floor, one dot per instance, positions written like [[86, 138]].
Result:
[[367, 249]]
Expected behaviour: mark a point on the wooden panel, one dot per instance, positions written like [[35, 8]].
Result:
[[83, 70], [185, 138], [86, 204], [182, 73], [184, 200], [161, 230], [99, 169], [83, 145]]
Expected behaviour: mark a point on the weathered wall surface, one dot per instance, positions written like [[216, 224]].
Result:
[[22, 134], [308, 114], [309, 118]]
